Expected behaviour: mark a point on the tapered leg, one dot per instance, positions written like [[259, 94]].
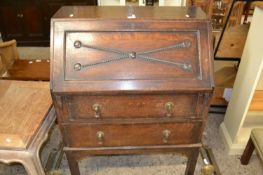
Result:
[[247, 152], [73, 163], [33, 166], [191, 163]]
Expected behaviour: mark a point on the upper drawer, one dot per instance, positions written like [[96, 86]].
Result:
[[133, 106], [132, 55]]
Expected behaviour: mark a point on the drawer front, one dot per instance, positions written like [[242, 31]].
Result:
[[133, 106], [93, 135]]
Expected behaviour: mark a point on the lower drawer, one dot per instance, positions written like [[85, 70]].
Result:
[[93, 135]]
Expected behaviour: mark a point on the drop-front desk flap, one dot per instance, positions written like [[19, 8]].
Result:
[[94, 50]]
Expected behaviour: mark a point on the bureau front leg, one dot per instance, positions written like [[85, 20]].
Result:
[[192, 160], [73, 163]]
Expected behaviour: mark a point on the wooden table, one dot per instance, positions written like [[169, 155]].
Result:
[[233, 42], [28, 70], [26, 118]]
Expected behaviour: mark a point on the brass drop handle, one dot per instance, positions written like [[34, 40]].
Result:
[[97, 109], [20, 15], [166, 135], [169, 106], [100, 137]]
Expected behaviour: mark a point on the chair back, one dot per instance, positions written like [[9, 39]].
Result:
[[2, 67], [8, 54]]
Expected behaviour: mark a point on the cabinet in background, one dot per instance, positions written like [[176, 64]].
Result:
[[28, 21]]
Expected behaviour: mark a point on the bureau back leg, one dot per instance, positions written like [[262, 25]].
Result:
[[191, 162], [73, 163]]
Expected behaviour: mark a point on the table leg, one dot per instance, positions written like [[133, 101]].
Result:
[[73, 163], [191, 162], [33, 166]]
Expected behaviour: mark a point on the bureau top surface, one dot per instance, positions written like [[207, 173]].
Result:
[[129, 12]]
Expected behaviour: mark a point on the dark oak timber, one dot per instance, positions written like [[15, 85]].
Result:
[[123, 85]]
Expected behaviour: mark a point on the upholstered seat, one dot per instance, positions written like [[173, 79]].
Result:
[[257, 137]]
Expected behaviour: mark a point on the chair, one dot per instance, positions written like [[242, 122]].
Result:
[[2, 67], [14, 68], [255, 141], [8, 54], [26, 117]]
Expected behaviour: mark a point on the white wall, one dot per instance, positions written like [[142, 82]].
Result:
[[248, 75]]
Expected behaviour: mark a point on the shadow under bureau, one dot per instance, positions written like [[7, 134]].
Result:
[[131, 80]]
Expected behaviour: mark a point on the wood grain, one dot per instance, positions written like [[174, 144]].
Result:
[[218, 99], [167, 25], [34, 70], [257, 101], [233, 42], [224, 78], [133, 106], [23, 107], [128, 135], [131, 69], [104, 12]]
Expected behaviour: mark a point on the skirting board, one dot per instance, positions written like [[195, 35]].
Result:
[[231, 147]]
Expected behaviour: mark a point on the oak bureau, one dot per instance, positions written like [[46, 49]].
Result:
[[131, 80]]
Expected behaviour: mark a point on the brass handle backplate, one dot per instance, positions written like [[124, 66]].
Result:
[[97, 109], [100, 137], [166, 135], [169, 106]]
